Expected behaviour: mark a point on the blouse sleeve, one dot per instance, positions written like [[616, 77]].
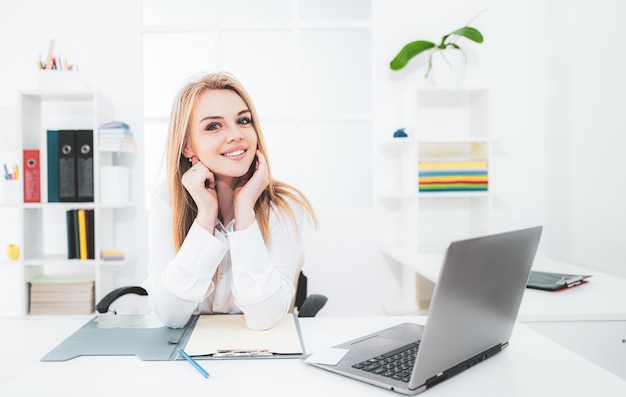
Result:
[[178, 282], [264, 275]]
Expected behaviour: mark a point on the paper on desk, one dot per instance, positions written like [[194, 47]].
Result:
[[229, 332], [330, 356]]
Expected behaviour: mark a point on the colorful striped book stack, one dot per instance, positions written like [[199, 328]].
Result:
[[453, 176]]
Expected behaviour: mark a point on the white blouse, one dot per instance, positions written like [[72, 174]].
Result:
[[225, 272]]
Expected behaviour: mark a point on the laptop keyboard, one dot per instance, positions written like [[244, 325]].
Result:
[[396, 364]]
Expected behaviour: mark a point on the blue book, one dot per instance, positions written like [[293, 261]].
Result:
[[52, 137]]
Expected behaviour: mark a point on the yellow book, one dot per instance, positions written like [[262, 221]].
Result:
[[455, 164], [82, 234]]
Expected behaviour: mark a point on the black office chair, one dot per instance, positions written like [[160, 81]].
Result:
[[306, 305]]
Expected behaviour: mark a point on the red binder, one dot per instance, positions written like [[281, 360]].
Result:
[[32, 192]]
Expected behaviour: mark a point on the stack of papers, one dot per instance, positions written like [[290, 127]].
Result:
[[62, 294], [226, 335], [115, 136], [454, 176]]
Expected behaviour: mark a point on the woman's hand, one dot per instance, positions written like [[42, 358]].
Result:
[[200, 183], [247, 192]]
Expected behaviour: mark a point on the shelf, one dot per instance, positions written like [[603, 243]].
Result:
[[65, 95], [60, 206], [41, 229], [448, 125], [427, 264], [434, 195], [57, 260], [60, 261]]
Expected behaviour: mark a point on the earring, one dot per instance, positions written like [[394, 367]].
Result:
[[189, 158]]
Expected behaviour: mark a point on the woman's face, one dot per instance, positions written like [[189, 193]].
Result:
[[222, 134]]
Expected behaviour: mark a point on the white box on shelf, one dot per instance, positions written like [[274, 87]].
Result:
[[11, 192], [60, 80], [114, 184]]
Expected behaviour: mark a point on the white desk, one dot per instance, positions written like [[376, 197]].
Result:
[[531, 366], [602, 298]]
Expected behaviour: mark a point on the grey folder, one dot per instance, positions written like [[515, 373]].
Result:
[[123, 335]]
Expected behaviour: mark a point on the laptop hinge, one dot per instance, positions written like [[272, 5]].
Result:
[[430, 382]]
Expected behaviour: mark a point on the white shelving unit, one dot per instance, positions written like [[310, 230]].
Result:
[[41, 230], [447, 125]]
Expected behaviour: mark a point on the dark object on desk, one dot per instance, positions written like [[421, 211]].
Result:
[[548, 281], [307, 305]]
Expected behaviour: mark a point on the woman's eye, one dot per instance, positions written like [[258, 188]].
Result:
[[245, 120], [212, 126]]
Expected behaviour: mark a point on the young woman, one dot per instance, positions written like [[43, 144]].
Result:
[[225, 237]]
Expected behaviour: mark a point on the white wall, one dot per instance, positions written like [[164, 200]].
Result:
[[343, 258], [586, 134]]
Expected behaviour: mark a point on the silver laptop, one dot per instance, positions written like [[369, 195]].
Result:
[[471, 317]]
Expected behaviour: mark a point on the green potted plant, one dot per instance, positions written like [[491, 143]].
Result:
[[448, 42]]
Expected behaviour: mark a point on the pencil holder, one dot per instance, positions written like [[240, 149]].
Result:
[[10, 192]]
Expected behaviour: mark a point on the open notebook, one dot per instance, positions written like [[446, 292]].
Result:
[[226, 335]]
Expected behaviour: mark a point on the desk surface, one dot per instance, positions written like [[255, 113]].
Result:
[[602, 298], [531, 365]]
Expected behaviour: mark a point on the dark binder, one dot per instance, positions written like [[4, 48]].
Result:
[[66, 150], [52, 149], [72, 233], [84, 165], [548, 281], [89, 218]]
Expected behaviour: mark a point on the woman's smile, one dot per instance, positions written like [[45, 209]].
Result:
[[236, 153]]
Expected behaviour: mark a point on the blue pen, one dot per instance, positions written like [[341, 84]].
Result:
[[194, 363]]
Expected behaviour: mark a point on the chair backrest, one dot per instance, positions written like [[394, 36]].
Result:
[[299, 285]]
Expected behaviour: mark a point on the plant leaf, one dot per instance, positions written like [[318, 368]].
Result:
[[469, 33], [409, 51]]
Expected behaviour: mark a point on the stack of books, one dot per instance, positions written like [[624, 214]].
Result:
[[454, 176], [80, 234], [112, 255], [62, 294], [116, 136]]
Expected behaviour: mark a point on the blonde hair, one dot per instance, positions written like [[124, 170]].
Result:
[[275, 197]]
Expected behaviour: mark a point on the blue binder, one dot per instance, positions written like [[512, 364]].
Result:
[[52, 144]]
